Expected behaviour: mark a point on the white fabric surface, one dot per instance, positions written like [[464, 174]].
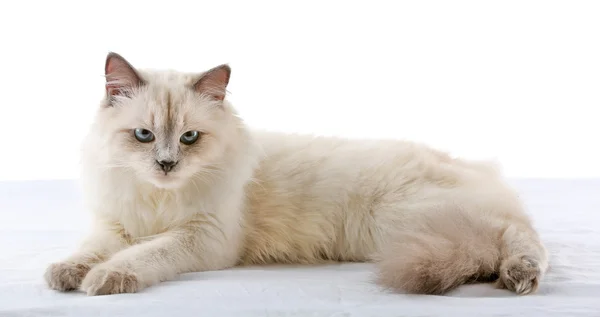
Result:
[[42, 221]]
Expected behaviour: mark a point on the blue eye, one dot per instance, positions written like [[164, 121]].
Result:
[[189, 137], [143, 135]]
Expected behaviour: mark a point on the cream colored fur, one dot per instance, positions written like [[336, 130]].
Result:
[[431, 222]]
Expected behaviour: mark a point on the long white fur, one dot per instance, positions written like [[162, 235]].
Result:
[[430, 221]]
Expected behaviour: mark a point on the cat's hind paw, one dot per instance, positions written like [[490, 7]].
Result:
[[520, 274]]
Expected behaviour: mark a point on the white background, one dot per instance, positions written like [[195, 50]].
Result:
[[518, 81]]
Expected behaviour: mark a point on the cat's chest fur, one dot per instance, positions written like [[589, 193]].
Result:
[[143, 210]]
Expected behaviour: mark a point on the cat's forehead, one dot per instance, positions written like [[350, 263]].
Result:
[[170, 78], [164, 107], [169, 100]]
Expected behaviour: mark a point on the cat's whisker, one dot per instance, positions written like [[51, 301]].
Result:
[[193, 181], [206, 174]]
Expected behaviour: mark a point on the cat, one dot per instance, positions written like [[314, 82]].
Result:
[[177, 182]]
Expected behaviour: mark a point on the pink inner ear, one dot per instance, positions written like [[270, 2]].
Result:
[[214, 82], [111, 65], [113, 89], [220, 76], [119, 74]]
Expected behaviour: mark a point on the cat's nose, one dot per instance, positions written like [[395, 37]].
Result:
[[166, 165]]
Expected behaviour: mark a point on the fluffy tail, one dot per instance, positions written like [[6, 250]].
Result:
[[439, 252]]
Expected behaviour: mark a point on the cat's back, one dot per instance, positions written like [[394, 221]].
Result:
[[313, 159], [311, 194]]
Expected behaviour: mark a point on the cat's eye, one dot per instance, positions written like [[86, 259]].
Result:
[[189, 137], [143, 135]]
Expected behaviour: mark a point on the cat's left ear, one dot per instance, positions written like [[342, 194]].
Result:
[[214, 82], [121, 77]]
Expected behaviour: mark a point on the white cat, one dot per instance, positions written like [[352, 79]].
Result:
[[177, 183]]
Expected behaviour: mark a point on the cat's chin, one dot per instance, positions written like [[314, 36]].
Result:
[[167, 181]]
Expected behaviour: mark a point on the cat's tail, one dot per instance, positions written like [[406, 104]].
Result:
[[440, 251]]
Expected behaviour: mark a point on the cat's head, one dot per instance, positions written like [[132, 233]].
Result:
[[166, 127]]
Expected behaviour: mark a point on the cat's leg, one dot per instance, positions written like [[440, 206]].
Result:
[[189, 249], [437, 250], [524, 260], [68, 274]]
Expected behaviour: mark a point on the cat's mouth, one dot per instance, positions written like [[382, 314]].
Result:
[[166, 180]]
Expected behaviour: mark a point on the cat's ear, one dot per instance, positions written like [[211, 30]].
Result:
[[121, 77], [214, 82]]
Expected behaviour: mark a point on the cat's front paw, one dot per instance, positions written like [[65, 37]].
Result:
[[105, 280], [520, 274], [65, 276]]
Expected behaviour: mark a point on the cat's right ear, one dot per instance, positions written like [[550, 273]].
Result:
[[121, 77]]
